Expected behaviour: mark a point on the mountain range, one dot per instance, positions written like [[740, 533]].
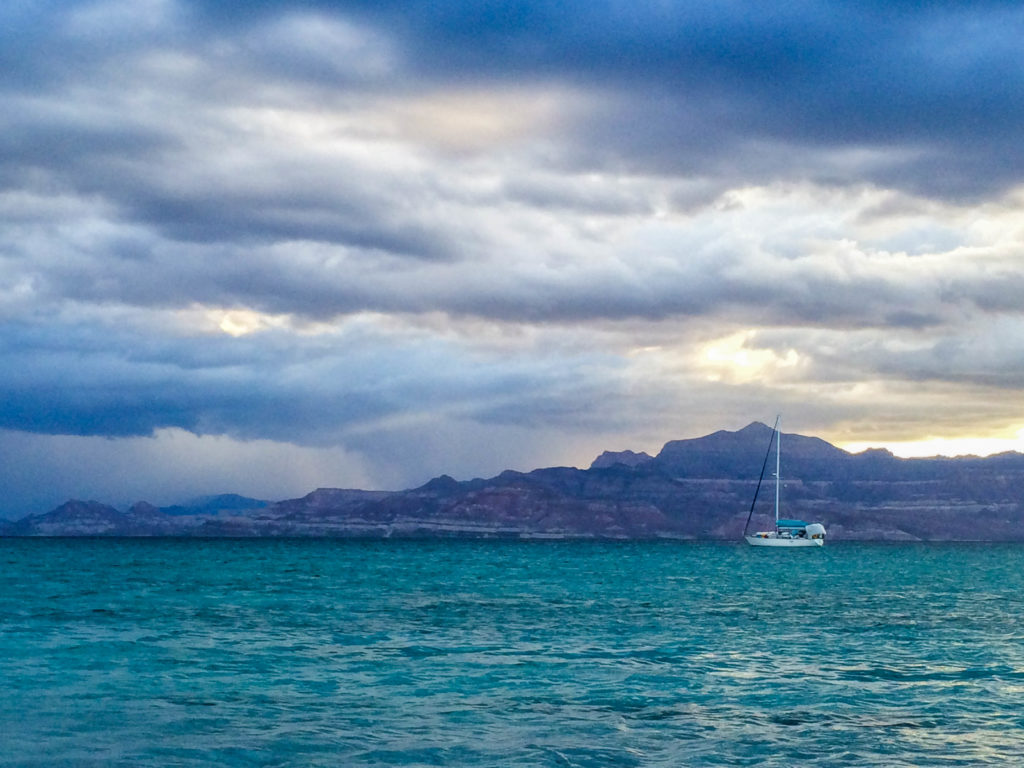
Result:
[[698, 488]]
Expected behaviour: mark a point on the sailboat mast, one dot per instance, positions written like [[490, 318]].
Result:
[[778, 480]]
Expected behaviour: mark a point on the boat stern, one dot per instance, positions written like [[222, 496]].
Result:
[[816, 532]]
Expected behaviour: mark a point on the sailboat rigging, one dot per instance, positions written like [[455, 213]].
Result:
[[787, 533]]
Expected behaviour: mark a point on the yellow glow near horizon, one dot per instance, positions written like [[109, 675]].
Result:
[[944, 446]]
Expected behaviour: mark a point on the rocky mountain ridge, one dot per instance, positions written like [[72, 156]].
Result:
[[699, 488]]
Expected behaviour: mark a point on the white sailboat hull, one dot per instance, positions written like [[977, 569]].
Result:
[[771, 540]]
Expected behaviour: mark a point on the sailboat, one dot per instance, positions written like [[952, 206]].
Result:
[[787, 533]]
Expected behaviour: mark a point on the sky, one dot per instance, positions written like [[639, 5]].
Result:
[[266, 247]]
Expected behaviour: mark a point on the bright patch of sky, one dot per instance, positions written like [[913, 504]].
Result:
[[386, 241], [946, 446]]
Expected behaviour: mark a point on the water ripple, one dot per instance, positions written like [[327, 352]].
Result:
[[274, 653]]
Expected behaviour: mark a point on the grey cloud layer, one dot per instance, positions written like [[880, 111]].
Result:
[[700, 89], [548, 168], [90, 380]]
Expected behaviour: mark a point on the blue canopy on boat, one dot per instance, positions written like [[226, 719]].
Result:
[[791, 524]]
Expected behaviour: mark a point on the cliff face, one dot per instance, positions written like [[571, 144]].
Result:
[[699, 488]]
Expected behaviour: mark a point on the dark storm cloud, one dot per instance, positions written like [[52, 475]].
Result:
[[716, 89], [117, 383], [689, 86], [737, 95], [101, 380]]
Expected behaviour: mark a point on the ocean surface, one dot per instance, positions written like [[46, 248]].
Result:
[[339, 653]]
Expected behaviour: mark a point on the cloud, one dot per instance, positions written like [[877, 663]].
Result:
[[169, 467], [273, 384], [392, 229], [705, 88]]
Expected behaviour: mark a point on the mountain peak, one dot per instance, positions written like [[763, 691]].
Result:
[[627, 458], [753, 429], [144, 509], [443, 484], [75, 517], [696, 488], [725, 451]]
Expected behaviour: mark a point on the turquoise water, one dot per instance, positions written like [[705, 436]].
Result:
[[338, 653]]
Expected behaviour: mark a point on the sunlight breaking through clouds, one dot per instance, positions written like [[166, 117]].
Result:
[[733, 359], [368, 226], [946, 446], [239, 322]]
